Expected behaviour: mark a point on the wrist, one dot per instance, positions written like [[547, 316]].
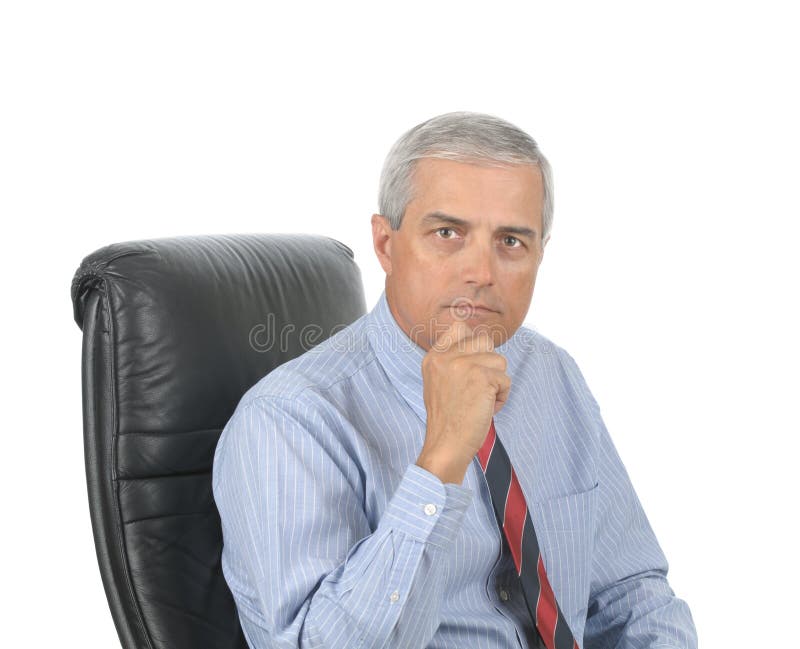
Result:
[[445, 466]]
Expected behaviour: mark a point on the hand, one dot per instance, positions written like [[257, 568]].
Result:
[[464, 385]]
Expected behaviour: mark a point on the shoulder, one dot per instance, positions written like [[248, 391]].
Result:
[[548, 361], [338, 358], [532, 346], [299, 402]]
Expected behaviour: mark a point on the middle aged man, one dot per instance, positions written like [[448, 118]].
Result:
[[350, 480]]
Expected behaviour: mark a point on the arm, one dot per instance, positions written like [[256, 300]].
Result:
[[631, 604], [303, 564]]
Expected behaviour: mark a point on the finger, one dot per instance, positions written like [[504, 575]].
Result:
[[490, 360], [482, 340], [456, 332], [489, 335], [504, 389], [480, 344]]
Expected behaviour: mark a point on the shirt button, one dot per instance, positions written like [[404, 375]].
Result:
[[394, 597], [429, 509], [504, 594]]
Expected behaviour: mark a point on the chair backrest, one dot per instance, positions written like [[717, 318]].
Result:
[[174, 332]]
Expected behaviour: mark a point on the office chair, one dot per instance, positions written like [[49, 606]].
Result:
[[175, 330]]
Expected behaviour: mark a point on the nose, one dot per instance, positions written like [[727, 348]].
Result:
[[479, 264]]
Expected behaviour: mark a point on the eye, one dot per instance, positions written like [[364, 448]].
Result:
[[514, 241], [445, 229]]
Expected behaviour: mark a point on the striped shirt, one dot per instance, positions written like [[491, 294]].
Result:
[[333, 537]]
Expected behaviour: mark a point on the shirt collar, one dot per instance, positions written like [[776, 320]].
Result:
[[401, 358]]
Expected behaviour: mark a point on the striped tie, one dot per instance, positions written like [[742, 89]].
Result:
[[513, 517]]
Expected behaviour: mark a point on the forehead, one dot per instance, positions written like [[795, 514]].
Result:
[[473, 191]]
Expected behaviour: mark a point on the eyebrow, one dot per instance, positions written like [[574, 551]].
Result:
[[441, 217]]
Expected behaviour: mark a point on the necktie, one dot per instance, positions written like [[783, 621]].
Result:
[[515, 521]]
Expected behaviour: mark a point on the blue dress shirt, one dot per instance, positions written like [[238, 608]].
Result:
[[333, 537]]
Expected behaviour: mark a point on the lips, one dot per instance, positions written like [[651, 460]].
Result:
[[469, 306]]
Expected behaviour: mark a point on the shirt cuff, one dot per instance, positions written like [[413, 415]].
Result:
[[427, 509]]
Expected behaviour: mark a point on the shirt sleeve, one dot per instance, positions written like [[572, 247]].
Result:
[[303, 564], [631, 603]]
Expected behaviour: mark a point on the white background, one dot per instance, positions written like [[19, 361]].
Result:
[[671, 275]]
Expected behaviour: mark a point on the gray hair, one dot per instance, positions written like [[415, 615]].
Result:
[[463, 136]]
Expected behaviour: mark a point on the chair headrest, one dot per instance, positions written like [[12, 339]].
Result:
[[174, 333]]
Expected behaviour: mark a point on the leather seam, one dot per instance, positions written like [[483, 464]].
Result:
[[114, 479]]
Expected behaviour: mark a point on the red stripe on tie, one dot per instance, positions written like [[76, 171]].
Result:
[[485, 451], [508, 497], [546, 611], [514, 520]]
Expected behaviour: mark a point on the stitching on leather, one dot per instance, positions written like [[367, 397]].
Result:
[[145, 632]]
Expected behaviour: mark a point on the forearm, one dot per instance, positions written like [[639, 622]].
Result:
[[631, 604], [387, 591], [641, 611]]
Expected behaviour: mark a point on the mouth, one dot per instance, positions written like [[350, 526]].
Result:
[[469, 308]]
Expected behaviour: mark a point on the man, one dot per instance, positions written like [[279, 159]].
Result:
[[350, 481]]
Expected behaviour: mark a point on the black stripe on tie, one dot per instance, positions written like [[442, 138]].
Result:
[[530, 584], [498, 477], [563, 634], [530, 558]]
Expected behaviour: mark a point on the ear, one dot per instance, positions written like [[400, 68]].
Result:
[[544, 243], [382, 241]]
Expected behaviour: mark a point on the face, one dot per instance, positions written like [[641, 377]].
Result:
[[470, 237]]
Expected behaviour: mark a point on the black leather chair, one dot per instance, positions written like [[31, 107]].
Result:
[[174, 332]]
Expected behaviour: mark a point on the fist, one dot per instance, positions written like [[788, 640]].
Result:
[[464, 385]]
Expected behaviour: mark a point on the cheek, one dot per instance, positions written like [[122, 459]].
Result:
[[420, 266], [523, 279], [418, 277], [520, 293]]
